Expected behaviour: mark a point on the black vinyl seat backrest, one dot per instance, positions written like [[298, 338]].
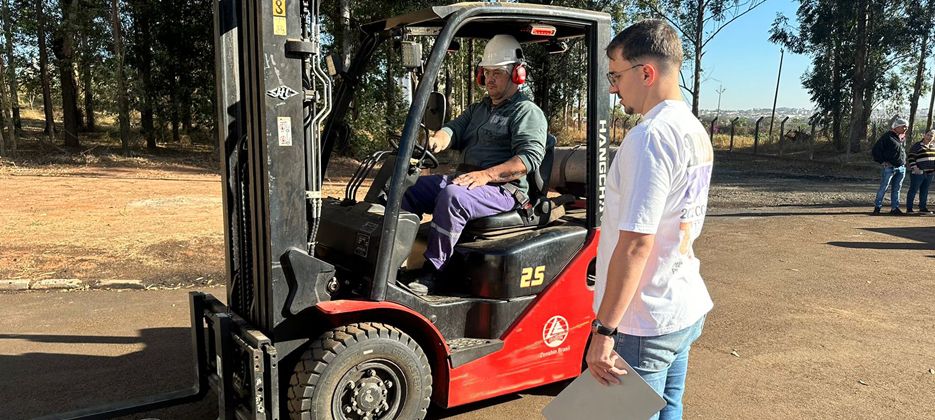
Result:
[[539, 179]]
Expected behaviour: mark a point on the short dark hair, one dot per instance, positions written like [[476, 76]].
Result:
[[652, 38]]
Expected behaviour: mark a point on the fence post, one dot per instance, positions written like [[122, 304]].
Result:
[[732, 123], [711, 130], [782, 135], [811, 140], [756, 135]]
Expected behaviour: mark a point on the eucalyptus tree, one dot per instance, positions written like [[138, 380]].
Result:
[[698, 22]]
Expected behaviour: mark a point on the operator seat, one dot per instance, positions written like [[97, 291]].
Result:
[[541, 210]]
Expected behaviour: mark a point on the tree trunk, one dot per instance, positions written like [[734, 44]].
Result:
[[471, 70], [347, 34], [917, 86], [11, 66], [174, 117], [185, 109], [697, 41], [88, 80], [64, 51], [145, 59], [44, 69], [123, 100], [928, 120], [837, 81], [859, 79], [391, 84], [7, 116]]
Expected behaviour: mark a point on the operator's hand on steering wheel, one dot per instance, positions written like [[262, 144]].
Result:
[[472, 180], [436, 144], [602, 360]]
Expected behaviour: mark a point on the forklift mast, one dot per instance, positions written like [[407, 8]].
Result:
[[273, 97]]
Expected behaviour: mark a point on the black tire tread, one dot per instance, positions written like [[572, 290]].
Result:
[[326, 348]]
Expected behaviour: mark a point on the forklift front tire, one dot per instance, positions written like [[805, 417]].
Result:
[[366, 370]]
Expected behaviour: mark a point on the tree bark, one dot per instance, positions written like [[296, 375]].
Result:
[[347, 34], [44, 69], [698, 41], [859, 79], [174, 116], [87, 79], [928, 120], [837, 81], [7, 116], [123, 100], [471, 70], [917, 86], [391, 84], [145, 59], [11, 67], [64, 51]]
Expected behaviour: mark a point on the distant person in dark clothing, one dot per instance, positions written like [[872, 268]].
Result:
[[921, 164], [893, 154]]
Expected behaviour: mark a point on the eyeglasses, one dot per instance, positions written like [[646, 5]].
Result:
[[496, 71], [614, 75]]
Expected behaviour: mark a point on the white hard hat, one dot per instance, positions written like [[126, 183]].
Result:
[[502, 50]]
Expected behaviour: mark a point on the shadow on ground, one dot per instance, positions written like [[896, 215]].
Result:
[[922, 237], [47, 383]]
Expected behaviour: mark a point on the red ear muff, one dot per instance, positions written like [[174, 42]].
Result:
[[481, 80], [519, 74]]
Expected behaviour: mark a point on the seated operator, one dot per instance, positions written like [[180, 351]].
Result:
[[502, 138]]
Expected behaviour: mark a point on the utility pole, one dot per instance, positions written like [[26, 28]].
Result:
[[776, 96], [720, 90]]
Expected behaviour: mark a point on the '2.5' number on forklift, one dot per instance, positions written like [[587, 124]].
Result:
[[532, 277]]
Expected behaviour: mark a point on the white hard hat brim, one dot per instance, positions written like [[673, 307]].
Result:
[[498, 63]]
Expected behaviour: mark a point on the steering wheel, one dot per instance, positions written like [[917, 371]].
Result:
[[425, 156]]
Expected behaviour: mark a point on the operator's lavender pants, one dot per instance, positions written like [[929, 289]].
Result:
[[452, 206]]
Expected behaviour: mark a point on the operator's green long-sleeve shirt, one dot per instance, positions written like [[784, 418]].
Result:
[[488, 136]]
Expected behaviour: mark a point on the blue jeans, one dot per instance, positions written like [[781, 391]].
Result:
[[921, 184], [893, 178], [662, 361]]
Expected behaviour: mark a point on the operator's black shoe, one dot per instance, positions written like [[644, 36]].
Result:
[[924, 212], [910, 212], [876, 211], [424, 281], [897, 212]]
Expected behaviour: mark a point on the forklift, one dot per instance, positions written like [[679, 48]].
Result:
[[317, 322]]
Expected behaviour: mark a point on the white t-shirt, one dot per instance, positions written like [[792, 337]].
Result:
[[658, 184]]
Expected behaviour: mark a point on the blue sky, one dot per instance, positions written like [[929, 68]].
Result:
[[745, 63]]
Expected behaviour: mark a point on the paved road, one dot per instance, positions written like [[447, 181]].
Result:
[[820, 312], [63, 351]]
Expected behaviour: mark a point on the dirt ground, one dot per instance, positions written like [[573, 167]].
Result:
[[821, 311]]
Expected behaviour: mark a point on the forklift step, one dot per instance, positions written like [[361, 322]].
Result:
[[464, 350]]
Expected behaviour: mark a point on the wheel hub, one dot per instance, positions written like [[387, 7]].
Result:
[[368, 395]]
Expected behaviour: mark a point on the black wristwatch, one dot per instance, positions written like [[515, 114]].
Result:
[[598, 328]]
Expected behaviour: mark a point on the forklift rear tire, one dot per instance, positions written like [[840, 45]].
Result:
[[366, 370]]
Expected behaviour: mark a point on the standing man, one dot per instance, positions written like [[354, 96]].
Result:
[[889, 151], [650, 298], [921, 164], [502, 138]]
